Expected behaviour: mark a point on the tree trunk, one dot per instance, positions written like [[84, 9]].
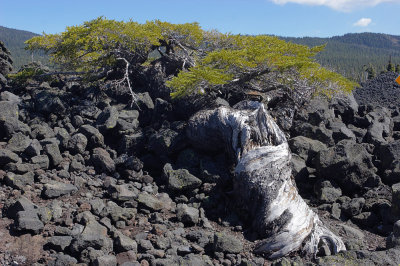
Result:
[[262, 179]]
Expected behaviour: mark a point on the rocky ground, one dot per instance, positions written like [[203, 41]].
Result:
[[87, 179]]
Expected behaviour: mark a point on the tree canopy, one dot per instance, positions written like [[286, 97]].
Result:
[[206, 61]]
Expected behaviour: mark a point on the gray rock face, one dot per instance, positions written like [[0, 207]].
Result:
[[151, 202], [94, 235], [180, 179], [28, 221], [76, 166], [354, 206], [320, 133], [163, 142], [316, 112], [129, 115], [19, 181], [106, 260], [393, 240], [42, 161], [389, 155], [48, 102], [122, 193], [62, 259], [395, 209], [11, 126], [108, 118], [346, 106], [102, 161], [57, 189], [124, 243], [326, 192], [340, 131], [7, 156], [18, 143], [9, 111], [349, 164], [21, 204], [42, 131], [21, 168], [227, 243], [305, 147], [93, 135], [54, 154], [5, 60], [117, 213], [34, 148], [63, 136], [186, 214], [381, 126], [144, 101], [59, 243], [77, 143], [128, 120], [145, 244]]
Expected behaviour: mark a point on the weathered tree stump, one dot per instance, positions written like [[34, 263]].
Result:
[[263, 181]]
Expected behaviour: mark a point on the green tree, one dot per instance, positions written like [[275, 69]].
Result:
[[390, 66], [371, 73], [204, 61], [397, 68]]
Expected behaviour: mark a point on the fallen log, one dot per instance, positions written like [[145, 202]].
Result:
[[263, 181]]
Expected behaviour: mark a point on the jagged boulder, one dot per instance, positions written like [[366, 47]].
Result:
[[5, 62], [348, 164]]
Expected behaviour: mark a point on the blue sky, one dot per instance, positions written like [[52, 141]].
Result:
[[280, 17]]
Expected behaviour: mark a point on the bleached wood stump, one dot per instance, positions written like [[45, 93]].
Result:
[[263, 180]]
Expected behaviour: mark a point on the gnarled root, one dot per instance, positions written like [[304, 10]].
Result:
[[263, 177]]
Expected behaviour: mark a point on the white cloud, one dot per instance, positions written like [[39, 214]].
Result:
[[363, 22], [341, 5]]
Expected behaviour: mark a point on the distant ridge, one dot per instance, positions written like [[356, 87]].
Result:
[[348, 54], [14, 40]]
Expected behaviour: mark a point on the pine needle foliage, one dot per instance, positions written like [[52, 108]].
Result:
[[212, 61]]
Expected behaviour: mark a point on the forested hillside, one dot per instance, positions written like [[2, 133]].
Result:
[[14, 41], [348, 54]]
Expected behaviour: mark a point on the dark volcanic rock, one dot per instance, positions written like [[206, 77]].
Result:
[[59, 243], [382, 91], [349, 164], [394, 239], [5, 60], [305, 147], [21, 204], [19, 181], [7, 156], [381, 126], [9, 111], [56, 189], [227, 243], [18, 143], [77, 143], [180, 179], [93, 235], [28, 221], [95, 138], [102, 161], [48, 102], [54, 154], [108, 118], [186, 214]]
